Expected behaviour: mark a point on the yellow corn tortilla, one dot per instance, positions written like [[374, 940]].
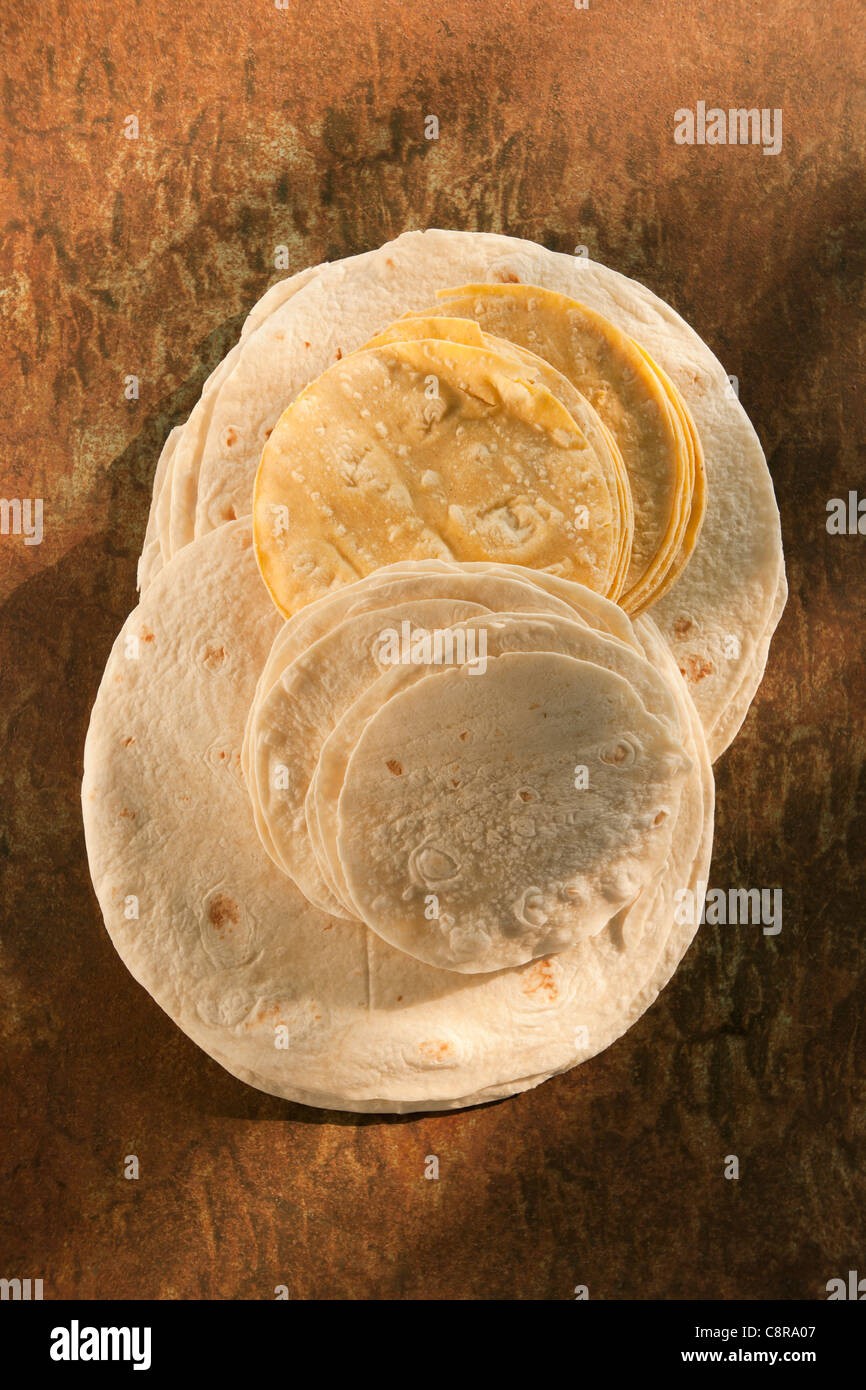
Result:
[[608, 368], [428, 449], [598, 435]]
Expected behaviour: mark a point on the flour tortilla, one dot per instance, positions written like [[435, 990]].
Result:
[[398, 584], [171, 522], [730, 721], [231, 950], [395, 583], [303, 701], [462, 786], [593, 607], [504, 633], [151, 559]]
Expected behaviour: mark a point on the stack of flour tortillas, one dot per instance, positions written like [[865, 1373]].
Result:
[[398, 788]]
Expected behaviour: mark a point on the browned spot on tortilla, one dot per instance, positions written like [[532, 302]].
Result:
[[338, 354], [223, 912], [535, 706], [454, 782], [437, 1050], [268, 1012], [128, 741], [231, 436], [696, 668], [538, 980], [389, 262], [682, 626], [464, 736], [128, 815], [269, 432], [507, 277], [306, 344], [214, 657], [525, 795], [393, 766], [662, 816], [147, 636]]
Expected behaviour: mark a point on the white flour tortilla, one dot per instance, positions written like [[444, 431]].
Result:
[[368, 688], [231, 950], [467, 791]]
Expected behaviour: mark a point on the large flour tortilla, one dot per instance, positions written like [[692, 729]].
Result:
[[726, 596], [232, 951]]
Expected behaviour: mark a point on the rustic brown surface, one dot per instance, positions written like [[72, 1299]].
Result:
[[306, 127]]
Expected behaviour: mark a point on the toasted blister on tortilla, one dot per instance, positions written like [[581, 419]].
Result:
[[428, 447], [285, 997]]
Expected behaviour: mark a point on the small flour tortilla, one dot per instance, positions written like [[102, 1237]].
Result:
[[594, 608], [303, 700], [463, 786], [503, 633], [497, 590], [493, 592]]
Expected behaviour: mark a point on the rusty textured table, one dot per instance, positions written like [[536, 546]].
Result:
[[304, 126]]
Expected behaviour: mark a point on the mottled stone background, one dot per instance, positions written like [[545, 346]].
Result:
[[305, 127]]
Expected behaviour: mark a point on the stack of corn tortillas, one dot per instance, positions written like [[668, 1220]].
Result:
[[398, 788]]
